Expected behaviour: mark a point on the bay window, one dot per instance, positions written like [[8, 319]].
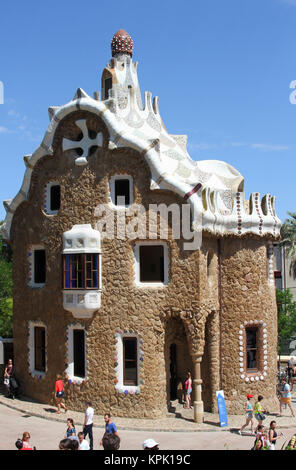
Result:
[[80, 271]]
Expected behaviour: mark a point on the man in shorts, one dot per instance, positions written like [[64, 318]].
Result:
[[286, 397]]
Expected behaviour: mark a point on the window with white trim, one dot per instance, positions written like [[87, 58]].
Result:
[[130, 360], [37, 348], [52, 202], [79, 352], [37, 266], [121, 190], [76, 352], [81, 271], [107, 87], [151, 263], [253, 348]]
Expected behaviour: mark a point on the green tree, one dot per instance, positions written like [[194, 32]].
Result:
[[5, 290], [288, 240], [286, 317]]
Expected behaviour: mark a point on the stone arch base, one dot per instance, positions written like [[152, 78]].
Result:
[[201, 327], [210, 364]]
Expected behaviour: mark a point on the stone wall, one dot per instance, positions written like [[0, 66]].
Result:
[[186, 311], [249, 298]]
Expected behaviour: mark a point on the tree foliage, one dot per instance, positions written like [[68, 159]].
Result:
[[286, 316], [288, 240], [5, 290]]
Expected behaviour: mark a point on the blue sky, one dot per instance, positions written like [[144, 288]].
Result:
[[221, 68]]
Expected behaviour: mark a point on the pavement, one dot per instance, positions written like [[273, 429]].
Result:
[[180, 420]]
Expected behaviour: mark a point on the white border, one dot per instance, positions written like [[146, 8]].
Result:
[[260, 375], [120, 176], [120, 386], [31, 346], [136, 252], [31, 258], [70, 354], [46, 204]]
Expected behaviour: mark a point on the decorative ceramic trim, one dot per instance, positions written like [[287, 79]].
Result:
[[270, 263], [261, 374], [31, 349], [84, 144], [30, 253], [118, 363], [72, 379]]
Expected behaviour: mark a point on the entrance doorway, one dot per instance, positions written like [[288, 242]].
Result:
[[177, 359]]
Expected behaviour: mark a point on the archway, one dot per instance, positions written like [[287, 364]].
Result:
[[177, 358]]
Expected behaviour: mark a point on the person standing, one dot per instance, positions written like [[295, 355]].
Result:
[[110, 427], [59, 393], [249, 414], [259, 411], [88, 423], [292, 372], [273, 436], [8, 374], [286, 397], [188, 389]]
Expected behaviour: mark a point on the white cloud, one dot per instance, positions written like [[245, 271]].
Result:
[[256, 146], [238, 144], [4, 130], [202, 146], [270, 147], [289, 2], [24, 127], [13, 113]]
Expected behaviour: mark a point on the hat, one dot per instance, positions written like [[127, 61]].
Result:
[[149, 443], [250, 396]]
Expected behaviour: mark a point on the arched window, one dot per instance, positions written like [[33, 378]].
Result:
[[106, 84]]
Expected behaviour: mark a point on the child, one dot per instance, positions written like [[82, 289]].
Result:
[[260, 436], [249, 414], [259, 411]]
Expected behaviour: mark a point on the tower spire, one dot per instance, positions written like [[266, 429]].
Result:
[[122, 43]]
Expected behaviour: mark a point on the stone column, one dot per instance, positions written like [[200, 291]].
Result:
[[197, 382]]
